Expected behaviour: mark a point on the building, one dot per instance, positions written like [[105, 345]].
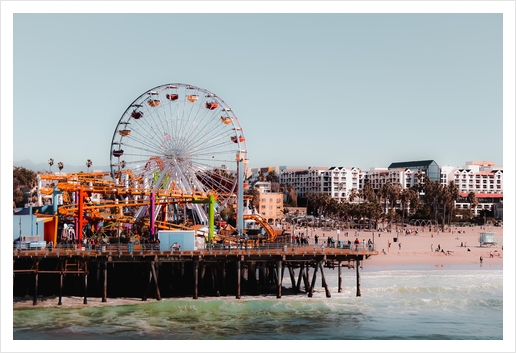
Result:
[[270, 204], [338, 182], [406, 177], [485, 181], [429, 167], [253, 174], [304, 181]]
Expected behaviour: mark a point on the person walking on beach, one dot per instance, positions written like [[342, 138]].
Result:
[[432, 247], [399, 246], [316, 239]]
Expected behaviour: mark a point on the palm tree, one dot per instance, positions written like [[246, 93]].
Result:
[[272, 176], [341, 187], [291, 196], [473, 202], [432, 191], [345, 211], [60, 165], [374, 210], [353, 194], [405, 196], [89, 164], [368, 192], [394, 194], [385, 192], [414, 200], [51, 163], [255, 200], [453, 195], [391, 216]]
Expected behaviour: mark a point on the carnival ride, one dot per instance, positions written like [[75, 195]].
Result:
[[177, 155]]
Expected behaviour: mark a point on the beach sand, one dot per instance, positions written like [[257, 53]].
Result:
[[417, 249]]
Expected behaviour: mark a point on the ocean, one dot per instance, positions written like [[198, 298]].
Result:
[[416, 302]]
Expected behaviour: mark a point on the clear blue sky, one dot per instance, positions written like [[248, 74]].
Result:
[[309, 89]]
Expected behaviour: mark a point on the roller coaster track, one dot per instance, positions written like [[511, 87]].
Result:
[[96, 183], [271, 233]]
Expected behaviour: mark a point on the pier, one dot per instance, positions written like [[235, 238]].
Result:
[[145, 272]]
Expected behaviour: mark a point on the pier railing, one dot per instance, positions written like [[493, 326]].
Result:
[[130, 248]]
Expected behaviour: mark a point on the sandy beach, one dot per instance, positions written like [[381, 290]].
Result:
[[461, 246]]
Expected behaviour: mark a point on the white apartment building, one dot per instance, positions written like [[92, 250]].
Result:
[[378, 177], [304, 181], [482, 178], [336, 182], [339, 181]]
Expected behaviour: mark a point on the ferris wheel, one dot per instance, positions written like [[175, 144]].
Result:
[[182, 137]]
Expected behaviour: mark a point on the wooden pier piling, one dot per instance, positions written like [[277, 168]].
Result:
[[188, 273], [279, 271], [238, 279], [340, 277], [359, 294]]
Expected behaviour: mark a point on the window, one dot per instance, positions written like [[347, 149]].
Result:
[[264, 200], [263, 207]]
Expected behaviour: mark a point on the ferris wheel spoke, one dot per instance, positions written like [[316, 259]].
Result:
[[209, 138], [202, 124], [143, 147]]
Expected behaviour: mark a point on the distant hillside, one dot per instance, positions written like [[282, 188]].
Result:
[[44, 167]]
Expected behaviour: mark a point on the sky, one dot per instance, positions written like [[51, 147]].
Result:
[[327, 89], [312, 84]]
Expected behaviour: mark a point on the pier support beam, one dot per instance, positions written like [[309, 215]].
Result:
[[85, 301], [238, 279], [196, 279], [311, 292], [358, 278], [340, 276], [301, 276], [104, 277], [325, 284], [279, 270], [215, 279], [155, 276], [306, 278], [35, 301], [292, 278], [61, 277]]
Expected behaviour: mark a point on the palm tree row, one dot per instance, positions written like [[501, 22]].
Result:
[[380, 204]]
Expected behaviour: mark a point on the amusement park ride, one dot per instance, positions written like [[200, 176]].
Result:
[[177, 158]]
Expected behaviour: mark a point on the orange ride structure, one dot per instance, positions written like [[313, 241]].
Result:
[[177, 157]]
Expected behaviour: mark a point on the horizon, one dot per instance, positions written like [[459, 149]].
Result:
[[76, 168]]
